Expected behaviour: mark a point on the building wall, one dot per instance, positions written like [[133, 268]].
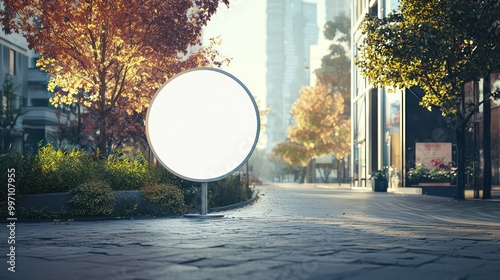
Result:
[[361, 104], [39, 119], [14, 62], [387, 126], [378, 134]]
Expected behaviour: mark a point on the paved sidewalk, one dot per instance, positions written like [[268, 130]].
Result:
[[292, 232]]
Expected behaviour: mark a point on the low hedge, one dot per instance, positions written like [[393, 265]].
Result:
[[93, 198], [229, 190], [126, 171], [162, 199]]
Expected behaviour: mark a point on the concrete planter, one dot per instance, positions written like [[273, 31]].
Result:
[[58, 202], [431, 184], [48, 202]]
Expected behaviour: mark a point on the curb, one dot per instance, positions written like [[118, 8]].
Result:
[[236, 205]]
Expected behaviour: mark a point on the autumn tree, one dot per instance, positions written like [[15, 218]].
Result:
[[292, 154], [124, 130], [72, 128], [335, 73], [437, 46], [319, 122], [10, 111], [342, 148], [100, 52]]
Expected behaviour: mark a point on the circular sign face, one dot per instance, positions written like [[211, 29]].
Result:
[[203, 124]]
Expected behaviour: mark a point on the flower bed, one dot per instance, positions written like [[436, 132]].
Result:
[[439, 174]]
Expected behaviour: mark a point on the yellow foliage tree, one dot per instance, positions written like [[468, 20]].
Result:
[[293, 154], [320, 124]]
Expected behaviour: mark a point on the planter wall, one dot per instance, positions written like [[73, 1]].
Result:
[[439, 190], [48, 202], [443, 184], [58, 202]]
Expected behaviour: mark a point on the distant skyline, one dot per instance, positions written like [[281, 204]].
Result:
[[242, 29]]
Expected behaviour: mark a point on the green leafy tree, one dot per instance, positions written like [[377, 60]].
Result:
[[335, 70], [438, 46], [10, 111]]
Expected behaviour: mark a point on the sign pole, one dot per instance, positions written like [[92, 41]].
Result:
[[204, 191], [197, 102]]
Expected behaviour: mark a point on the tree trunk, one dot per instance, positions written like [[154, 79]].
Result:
[[340, 164], [460, 195], [487, 139], [303, 174], [313, 171], [79, 125], [103, 143]]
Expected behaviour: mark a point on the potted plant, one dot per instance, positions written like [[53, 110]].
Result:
[[379, 178]]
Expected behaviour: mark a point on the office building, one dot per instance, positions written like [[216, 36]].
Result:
[[391, 129]]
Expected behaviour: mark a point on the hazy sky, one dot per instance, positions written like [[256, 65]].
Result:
[[242, 28]]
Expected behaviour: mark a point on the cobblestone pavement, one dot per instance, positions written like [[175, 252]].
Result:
[[292, 232]]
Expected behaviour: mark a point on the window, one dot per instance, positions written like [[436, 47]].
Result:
[[40, 102], [12, 60]]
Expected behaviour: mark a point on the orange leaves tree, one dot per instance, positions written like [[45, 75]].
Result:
[[320, 126], [101, 53]]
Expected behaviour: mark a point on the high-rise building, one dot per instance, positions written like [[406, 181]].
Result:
[[336, 7], [291, 29]]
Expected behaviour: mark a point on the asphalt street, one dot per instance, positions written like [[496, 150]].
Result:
[[293, 231]]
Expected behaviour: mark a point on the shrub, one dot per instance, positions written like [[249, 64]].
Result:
[[32, 213], [162, 199], [93, 198], [229, 190], [190, 189], [126, 171], [57, 170]]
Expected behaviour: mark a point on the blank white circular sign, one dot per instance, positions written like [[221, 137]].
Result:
[[203, 124]]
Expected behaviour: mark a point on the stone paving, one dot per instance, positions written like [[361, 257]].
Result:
[[292, 232]]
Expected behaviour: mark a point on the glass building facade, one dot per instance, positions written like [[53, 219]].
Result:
[[386, 123], [388, 127]]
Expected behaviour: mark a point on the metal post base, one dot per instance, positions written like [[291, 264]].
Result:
[[204, 207], [206, 216]]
